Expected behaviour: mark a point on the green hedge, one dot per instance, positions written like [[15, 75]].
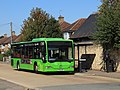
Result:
[[1, 57]]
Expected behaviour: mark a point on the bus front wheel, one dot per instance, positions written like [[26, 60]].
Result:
[[35, 68]]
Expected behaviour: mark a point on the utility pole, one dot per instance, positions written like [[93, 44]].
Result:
[[11, 31]]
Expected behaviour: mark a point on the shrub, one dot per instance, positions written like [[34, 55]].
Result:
[[1, 57]]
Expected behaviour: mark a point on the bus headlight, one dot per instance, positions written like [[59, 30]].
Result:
[[47, 67]]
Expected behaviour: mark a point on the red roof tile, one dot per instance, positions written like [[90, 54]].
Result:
[[9, 39], [64, 25], [18, 39], [76, 25], [2, 40]]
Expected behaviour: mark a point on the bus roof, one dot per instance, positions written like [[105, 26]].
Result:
[[49, 39], [42, 39]]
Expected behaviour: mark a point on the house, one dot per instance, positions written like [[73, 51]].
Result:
[[18, 39], [85, 46], [6, 41], [2, 40], [9, 39], [63, 24], [67, 32]]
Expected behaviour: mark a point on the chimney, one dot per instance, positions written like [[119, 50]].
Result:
[[61, 19], [13, 33], [5, 35]]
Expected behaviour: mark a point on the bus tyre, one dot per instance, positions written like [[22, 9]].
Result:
[[35, 68], [18, 66]]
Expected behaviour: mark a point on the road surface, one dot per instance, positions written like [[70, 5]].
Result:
[[53, 81]]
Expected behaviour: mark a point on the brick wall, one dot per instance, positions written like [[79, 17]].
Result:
[[91, 49], [97, 50]]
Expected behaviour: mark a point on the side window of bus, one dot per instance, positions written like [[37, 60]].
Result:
[[26, 52], [31, 52], [36, 51], [16, 51], [22, 52], [13, 51]]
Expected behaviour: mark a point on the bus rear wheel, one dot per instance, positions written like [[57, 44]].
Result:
[[35, 68], [18, 66]]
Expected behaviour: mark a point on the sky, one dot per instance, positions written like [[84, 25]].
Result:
[[16, 11]]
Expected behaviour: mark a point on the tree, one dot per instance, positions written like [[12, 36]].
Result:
[[52, 29], [108, 25], [40, 24]]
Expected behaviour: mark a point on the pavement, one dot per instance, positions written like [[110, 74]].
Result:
[[113, 75], [101, 75]]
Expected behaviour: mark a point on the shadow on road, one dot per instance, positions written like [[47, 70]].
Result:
[[47, 73]]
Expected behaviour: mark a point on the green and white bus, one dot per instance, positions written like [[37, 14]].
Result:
[[43, 54]]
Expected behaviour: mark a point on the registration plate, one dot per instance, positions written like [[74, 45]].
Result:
[[61, 70]]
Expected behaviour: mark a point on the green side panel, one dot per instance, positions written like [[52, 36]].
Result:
[[59, 66], [45, 67], [31, 66], [27, 66], [40, 64], [14, 62]]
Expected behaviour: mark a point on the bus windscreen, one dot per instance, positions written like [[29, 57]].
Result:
[[60, 51]]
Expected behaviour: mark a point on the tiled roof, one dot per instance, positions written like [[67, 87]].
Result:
[[87, 28], [64, 25], [18, 39], [2, 40], [74, 26], [9, 39]]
